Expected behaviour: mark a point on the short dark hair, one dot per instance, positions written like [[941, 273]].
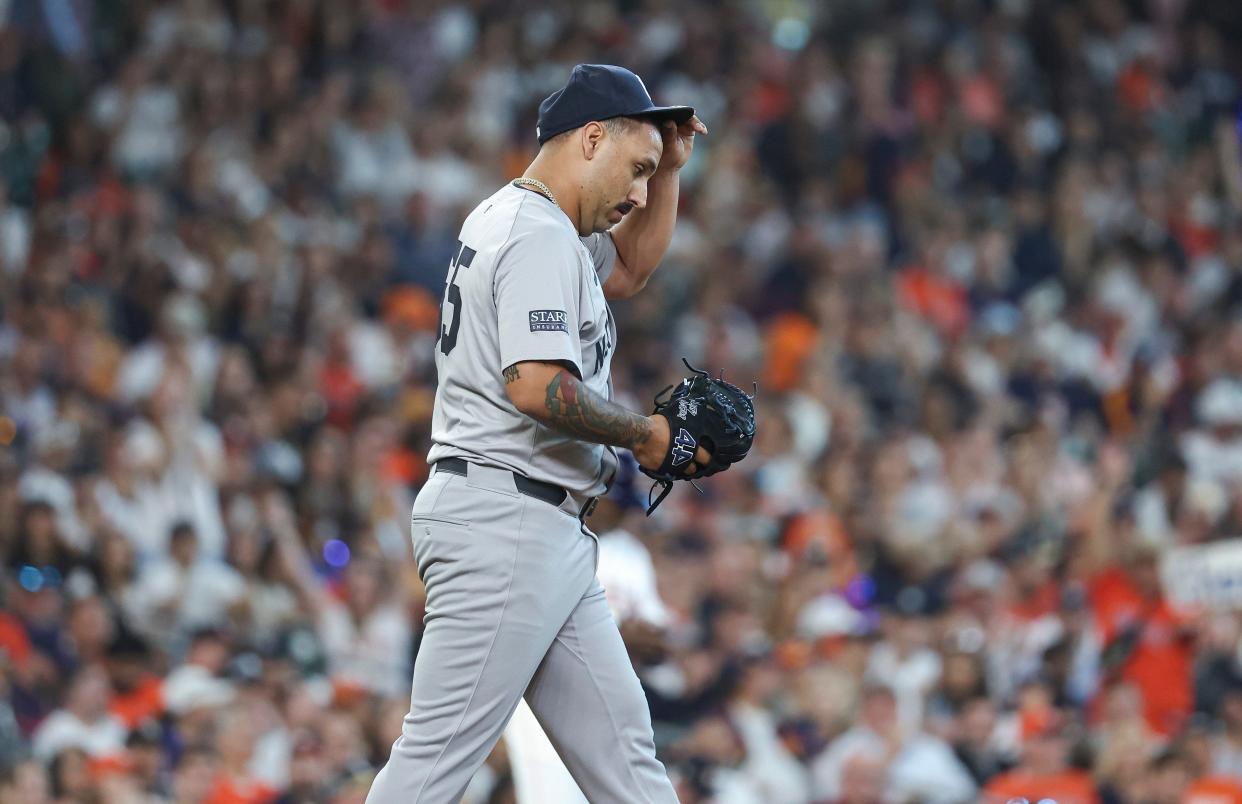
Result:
[[182, 528], [614, 125], [195, 752], [620, 125]]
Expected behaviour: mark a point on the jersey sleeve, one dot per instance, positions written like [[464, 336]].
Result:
[[537, 290], [603, 253]]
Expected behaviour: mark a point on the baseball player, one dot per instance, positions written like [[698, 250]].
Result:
[[524, 437]]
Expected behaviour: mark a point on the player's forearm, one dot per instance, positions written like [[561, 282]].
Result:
[[643, 236], [551, 395], [571, 408], [554, 397]]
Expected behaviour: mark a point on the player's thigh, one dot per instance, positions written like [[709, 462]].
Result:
[[466, 563], [485, 554], [502, 573], [589, 701]]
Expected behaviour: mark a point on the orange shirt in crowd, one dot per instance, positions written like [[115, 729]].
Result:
[[1213, 790], [790, 342], [142, 702], [240, 791], [822, 530], [13, 640], [937, 298], [1069, 787], [1161, 664], [1038, 603]]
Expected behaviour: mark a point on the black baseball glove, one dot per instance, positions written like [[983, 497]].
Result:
[[707, 412]]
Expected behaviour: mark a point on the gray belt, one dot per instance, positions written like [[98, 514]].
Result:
[[540, 490]]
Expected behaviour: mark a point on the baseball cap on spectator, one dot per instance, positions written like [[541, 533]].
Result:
[[999, 319], [301, 646], [191, 687], [183, 315], [245, 668], [600, 92], [278, 461], [874, 688], [143, 446], [195, 686], [981, 574], [913, 601], [996, 501], [128, 645], [1029, 542], [145, 736], [831, 616], [347, 693], [625, 491], [45, 491], [1207, 498], [58, 435], [1039, 723], [922, 512]]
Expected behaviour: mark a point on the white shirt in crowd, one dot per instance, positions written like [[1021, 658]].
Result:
[[183, 490], [171, 598], [924, 767], [774, 772], [628, 576], [14, 240], [374, 654], [62, 729], [910, 677]]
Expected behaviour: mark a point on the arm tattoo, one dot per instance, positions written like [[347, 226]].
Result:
[[511, 374], [574, 409]]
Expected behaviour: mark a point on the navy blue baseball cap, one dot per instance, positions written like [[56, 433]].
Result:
[[600, 92]]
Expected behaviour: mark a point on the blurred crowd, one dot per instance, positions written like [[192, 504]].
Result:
[[984, 256]]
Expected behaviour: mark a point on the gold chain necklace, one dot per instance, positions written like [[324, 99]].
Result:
[[537, 186]]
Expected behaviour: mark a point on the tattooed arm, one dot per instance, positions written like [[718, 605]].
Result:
[[555, 397]]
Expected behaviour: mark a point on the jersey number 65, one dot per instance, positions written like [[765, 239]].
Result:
[[462, 257]]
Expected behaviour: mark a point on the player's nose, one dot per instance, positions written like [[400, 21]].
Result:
[[638, 194]]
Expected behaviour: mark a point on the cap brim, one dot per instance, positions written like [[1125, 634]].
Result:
[[678, 114]]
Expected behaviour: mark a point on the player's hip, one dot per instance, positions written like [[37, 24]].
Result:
[[580, 468], [489, 500], [473, 529]]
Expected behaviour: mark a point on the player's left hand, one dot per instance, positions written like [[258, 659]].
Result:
[[701, 412], [678, 143]]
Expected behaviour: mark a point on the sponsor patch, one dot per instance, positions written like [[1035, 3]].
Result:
[[548, 321]]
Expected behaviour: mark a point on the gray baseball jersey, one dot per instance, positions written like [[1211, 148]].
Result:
[[522, 286]]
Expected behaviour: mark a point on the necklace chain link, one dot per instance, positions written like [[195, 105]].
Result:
[[537, 185]]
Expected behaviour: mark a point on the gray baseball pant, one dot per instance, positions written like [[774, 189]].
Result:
[[514, 608]]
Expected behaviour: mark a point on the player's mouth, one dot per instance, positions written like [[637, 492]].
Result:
[[620, 211]]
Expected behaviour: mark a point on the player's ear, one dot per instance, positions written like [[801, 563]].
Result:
[[592, 137]]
